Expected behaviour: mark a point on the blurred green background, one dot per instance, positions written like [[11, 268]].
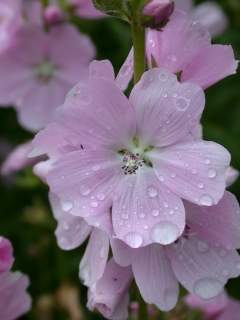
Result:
[[25, 215]]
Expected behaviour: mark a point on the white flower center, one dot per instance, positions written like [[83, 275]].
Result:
[[45, 71], [131, 162]]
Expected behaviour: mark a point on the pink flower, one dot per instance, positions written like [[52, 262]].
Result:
[[110, 294], [72, 231], [53, 14], [10, 20], [191, 55], [39, 68], [202, 260], [14, 300], [18, 159], [133, 157], [6, 255], [160, 11], [209, 14], [222, 307]]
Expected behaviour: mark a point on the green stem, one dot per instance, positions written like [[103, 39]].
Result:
[[138, 37], [143, 310]]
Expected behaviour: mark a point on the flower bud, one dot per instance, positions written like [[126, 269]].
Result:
[[157, 12], [53, 14]]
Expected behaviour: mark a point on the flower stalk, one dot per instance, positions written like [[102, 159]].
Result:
[[138, 37]]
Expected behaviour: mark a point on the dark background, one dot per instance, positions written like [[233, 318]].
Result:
[[24, 212]]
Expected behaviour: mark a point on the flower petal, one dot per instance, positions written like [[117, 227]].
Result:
[[203, 268], [145, 212], [102, 69], [173, 55], [195, 171], [71, 231], [94, 261], [210, 65], [210, 222], [166, 110], [125, 73], [14, 301], [108, 296], [154, 277]]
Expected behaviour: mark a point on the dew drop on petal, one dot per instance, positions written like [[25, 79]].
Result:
[[182, 104], [84, 191], [66, 205], [155, 212], [207, 288], [101, 196], [165, 233], [200, 185], [94, 204], [206, 200], [212, 173], [152, 192], [134, 239], [202, 247]]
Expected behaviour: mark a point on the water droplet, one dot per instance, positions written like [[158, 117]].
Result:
[[212, 173], [173, 175], [101, 196], [94, 204], [200, 185], [96, 167], [194, 171], [134, 240], [84, 191], [206, 200], [182, 104], [207, 288], [142, 215], [223, 253], [165, 233], [152, 192], [161, 178], [163, 76], [66, 205], [155, 212], [202, 247], [165, 204], [207, 161]]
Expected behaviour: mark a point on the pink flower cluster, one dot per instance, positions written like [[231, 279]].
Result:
[[133, 175], [14, 301]]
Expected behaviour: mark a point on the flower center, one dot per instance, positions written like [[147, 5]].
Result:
[[45, 71], [131, 162], [135, 159]]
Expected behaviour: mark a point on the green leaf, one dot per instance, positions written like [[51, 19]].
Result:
[[117, 8]]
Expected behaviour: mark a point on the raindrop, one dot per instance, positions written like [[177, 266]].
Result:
[[165, 233], [66, 205], [212, 173], [94, 204], [152, 192], [163, 76], [182, 104], [155, 212], [96, 167], [207, 288], [202, 247], [101, 196], [134, 240], [206, 200], [200, 185], [84, 191]]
